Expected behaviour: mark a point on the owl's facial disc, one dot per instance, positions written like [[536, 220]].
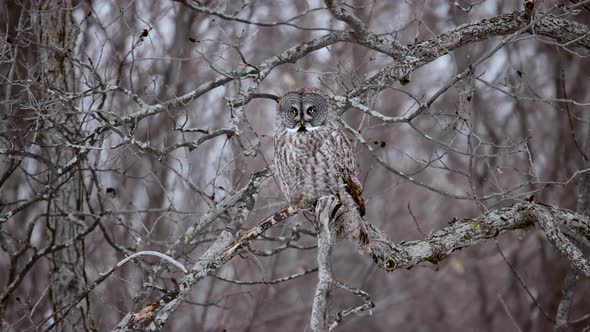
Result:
[[302, 112]]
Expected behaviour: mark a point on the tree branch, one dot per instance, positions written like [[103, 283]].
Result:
[[326, 237], [153, 316], [567, 297], [365, 37], [467, 232], [564, 31]]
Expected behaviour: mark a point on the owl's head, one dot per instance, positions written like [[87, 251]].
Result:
[[304, 110]]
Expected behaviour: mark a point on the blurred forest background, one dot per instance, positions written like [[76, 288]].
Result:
[[123, 123]]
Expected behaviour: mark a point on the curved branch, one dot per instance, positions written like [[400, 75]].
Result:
[[365, 37], [151, 253], [568, 32], [194, 5], [467, 232]]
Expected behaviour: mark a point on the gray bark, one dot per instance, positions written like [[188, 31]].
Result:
[[326, 236], [57, 33], [569, 283]]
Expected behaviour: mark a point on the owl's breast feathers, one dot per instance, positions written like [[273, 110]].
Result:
[[311, 164]]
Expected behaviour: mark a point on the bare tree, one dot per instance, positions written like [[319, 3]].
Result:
[[136, 178]]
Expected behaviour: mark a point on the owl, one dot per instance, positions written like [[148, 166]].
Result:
[[313, 157]]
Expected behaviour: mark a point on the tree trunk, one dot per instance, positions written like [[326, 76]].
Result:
[[57, 34]]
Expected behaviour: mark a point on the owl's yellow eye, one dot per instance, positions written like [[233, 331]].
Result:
[[311, 110], [294, 111]]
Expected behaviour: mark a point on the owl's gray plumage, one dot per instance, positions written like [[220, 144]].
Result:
[[312, 155], [313, 159]]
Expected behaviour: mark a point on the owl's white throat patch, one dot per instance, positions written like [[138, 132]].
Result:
[[300, 129], [311, 128]]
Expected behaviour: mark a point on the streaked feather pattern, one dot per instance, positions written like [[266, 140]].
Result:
[[314, 163]]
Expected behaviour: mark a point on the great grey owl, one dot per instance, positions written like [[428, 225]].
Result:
[[313, 157]]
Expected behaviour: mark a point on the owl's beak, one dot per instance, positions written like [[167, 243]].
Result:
[[302, 127]]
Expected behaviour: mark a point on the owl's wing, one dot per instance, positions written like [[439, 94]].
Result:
[[344, 155], [351, 194], [347, 167]]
